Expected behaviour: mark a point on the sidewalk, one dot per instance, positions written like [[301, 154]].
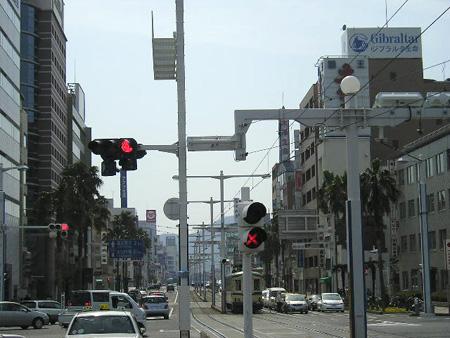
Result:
[[218, 302]]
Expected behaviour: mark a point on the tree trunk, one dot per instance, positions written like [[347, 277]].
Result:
[[380, 271]]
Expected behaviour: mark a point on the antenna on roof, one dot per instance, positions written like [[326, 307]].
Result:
[[386, 11]]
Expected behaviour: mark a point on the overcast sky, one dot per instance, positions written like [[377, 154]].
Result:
[[240, 54]]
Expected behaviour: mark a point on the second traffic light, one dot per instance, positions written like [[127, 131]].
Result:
[[251, 227], [125, 150]]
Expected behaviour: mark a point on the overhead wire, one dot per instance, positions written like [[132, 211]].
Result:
[[351, 96]]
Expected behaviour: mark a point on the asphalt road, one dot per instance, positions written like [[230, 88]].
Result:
[[271, 324]]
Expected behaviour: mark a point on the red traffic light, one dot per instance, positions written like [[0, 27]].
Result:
[[64, 227], [255, 237], [126, 146]]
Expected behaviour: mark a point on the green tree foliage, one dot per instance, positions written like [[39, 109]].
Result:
[[378, 192]]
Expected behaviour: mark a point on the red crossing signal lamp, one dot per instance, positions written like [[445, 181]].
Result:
[[255, 237]]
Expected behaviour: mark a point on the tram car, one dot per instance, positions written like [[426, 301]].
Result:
[[233, 292]]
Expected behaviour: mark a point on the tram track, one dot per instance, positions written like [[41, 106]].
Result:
[[210, 328], [290, 324]]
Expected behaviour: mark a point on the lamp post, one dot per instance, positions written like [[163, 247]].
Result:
[[350, 86], [423, 223], [3, 226], [221, 177], [211, 203]]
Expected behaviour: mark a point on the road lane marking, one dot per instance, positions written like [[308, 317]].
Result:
[[170, 313], [176, 298]]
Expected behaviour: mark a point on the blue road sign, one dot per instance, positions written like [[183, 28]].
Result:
[[126, 248]]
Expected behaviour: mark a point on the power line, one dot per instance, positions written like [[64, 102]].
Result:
[[389, 62]]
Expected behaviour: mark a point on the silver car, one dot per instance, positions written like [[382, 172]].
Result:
[[294, 302], [50, 307], [15, 314], [104, 324], [330, 302], [156, 306]]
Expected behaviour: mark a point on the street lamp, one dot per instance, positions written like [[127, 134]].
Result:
[[423, 222], [3, 226], [211, 203], [350, 86], [221, 177]]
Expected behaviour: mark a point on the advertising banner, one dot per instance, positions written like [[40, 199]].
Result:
[[150, 216], [383, 43]]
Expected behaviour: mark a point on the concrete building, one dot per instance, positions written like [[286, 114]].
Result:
[[79, 135], [367, 55], [434, 153], [12, 132], [43, 86], [149, 268]]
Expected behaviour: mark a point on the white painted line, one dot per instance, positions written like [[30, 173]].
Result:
[[176, 298], [170, 313]]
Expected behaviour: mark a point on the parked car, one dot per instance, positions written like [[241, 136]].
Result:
[[94, 300], [312, 301], [265, 297], [155, 305], [50, 307], [15, 314], [104, 324], [294, 302], [330, 302]]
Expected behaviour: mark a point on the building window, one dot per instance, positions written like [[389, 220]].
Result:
[[442, 238], [308, 196], [313, 193], [412, 242], [308, 175], [429, 168], [411, 174], [313, 170], [432, 240], [440, 164], [401, 177], [405, 280], [402, 209], [430, 203], [404, 243], [441, 200], [331, 64], [411, 212]]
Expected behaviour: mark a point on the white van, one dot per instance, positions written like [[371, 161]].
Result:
[[94, 300]]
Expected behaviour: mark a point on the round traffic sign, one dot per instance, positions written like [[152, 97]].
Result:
[[172, 209]]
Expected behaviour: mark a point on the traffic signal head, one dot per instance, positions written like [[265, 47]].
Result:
[[64, 230], [251, 226], [54, 227], [125, 150], [255, 237], [109, 168]]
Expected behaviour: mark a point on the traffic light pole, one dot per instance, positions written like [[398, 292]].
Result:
[[247, 292]]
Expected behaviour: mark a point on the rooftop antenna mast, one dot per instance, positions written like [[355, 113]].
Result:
[[386, 12]]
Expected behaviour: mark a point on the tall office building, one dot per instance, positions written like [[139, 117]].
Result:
[[44, 90], [11, 148]]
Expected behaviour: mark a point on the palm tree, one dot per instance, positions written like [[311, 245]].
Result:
[[378, 191], [331, 198], [77, 202]]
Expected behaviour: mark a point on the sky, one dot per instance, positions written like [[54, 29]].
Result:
[[239, 55]]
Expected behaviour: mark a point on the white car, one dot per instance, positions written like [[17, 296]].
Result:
[[94, 300], [104, 324], [330, 302]]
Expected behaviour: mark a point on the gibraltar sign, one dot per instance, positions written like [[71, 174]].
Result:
[[382, 43]]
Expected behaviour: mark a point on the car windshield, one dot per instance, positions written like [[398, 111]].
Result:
[[101, 325], [155, 300], [295, 297], [331, 296]]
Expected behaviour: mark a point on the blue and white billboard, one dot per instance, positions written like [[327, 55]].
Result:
[[382, 43]]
